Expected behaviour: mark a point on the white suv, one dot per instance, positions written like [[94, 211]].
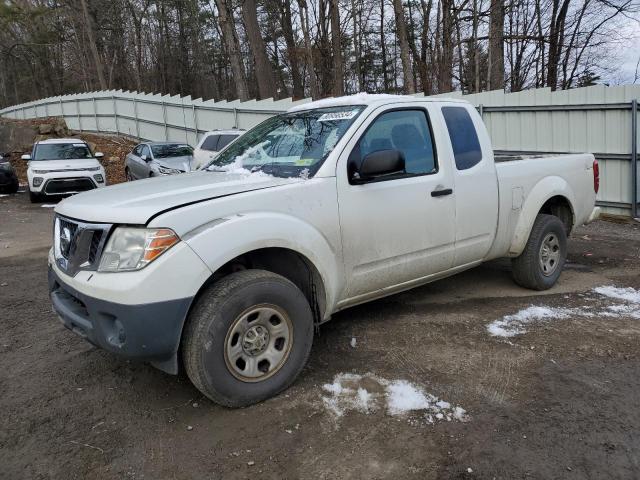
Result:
[[211, 143], [63, 166]]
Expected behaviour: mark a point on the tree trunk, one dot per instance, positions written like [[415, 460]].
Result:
[[338, 67], [445, 73], [383, 50], [356, 44], [556, 36], [225, 17], [304, 24], [92, 44], [401, 32], [496, 46], [292, 51], [264, 72]]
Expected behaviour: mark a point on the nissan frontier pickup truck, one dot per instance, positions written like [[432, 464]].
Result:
[[226, 272]]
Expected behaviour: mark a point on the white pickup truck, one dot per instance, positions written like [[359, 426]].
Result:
[[334, 203]]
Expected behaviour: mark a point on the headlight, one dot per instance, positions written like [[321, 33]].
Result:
[[99, 178], [41, 172], [167, 171], [92, 169], [37, 181], [131, 248]]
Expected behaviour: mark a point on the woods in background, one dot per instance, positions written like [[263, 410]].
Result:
[[227, 49]]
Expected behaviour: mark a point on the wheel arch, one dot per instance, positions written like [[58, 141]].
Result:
[[552, 196]]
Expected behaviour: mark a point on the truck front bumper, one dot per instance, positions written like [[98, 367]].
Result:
[[149, 332]]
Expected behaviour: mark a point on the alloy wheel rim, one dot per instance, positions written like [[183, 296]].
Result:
[[258, 343]]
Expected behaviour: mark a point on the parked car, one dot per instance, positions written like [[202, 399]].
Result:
[[8, 177], [348, 200], [61, 167], [152, 159], [211, 143]]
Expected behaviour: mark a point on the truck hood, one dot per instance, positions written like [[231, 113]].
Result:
[[137, 202], [73, 164]]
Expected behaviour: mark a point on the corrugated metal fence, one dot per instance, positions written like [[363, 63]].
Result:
[[597, 119]]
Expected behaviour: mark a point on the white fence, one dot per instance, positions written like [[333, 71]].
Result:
[[597, 119]]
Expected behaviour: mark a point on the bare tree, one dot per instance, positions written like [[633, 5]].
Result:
[[401, 32], [230, 39]]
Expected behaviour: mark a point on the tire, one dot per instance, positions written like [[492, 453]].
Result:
[[35, 197], [537, 269], [215, 330], [13, 188], [128, 176]]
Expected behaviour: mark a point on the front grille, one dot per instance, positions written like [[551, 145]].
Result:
[[95, 245], [60, 186], [78, 245]]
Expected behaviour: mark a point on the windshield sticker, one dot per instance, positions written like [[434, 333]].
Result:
[[333, 116], [305, 162]]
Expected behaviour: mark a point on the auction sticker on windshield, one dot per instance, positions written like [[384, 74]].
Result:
[[333, 116]]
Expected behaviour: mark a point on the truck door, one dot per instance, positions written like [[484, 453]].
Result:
[[476, 183], [400, 228]]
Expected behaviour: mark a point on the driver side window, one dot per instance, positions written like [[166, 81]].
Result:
[[407, 131], [145, 151]]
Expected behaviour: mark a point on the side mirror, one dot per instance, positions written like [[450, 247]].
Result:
[[99, 155], [144, 158], [26, 157], [378, 164]]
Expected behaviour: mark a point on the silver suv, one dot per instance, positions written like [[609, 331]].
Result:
[[154, 159]]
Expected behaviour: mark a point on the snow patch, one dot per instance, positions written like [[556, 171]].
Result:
[[48, 205], [369, 394], [627, 294], [514, 324]]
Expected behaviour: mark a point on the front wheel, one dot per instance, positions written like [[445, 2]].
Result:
[[35, 197], [539, 266], [129, 175], [247, 338]]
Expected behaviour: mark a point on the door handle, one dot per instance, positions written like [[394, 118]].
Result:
[[442, 193]]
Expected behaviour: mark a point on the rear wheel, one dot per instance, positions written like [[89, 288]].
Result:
[[539, 266], [247, 338]]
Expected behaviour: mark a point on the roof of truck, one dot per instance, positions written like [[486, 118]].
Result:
[[61, 140], [368, 99]]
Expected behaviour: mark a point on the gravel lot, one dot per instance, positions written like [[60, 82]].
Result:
[[559, 401]]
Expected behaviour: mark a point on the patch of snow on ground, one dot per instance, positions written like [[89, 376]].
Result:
[[48, 205], [512, 325], [627, 294], [369, 394]]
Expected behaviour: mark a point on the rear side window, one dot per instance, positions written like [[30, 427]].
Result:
[[225, 140], [463, 135], [211, 143]]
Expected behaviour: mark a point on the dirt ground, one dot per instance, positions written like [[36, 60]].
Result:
[[559, 401]]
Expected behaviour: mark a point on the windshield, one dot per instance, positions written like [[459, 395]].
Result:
[[289, 145], [167, 150], [61, 151]]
